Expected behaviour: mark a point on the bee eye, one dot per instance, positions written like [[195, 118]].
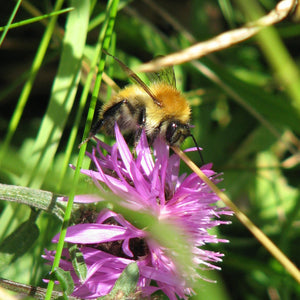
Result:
[[171, 135], [176, 132]]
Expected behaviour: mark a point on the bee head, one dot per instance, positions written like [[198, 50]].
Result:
[[176, 133]]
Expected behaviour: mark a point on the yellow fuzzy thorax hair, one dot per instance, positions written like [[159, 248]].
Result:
[[173, 104]]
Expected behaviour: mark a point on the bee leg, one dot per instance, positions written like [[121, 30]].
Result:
[[141, 125], [96, 127], [110, 113], [153, 136]]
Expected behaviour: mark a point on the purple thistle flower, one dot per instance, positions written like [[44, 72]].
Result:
[[154, 186]]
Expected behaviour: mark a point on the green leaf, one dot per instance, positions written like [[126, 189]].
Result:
[[78, 262], [271, 186], [18, 242], [275, 109], [126, 284], [65, 280]]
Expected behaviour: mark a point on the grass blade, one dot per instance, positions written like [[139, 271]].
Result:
[[104, 41], [14, 122], [8, 25], [62, 98]]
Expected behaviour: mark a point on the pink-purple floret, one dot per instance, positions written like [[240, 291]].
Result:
[[149, 184]]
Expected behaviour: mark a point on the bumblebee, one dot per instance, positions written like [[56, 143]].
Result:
[[159, 109]]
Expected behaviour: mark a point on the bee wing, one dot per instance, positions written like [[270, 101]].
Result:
[[166, 75], [135, 78]]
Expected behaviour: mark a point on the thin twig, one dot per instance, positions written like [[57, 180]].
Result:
[[258, 234], [222, 41]]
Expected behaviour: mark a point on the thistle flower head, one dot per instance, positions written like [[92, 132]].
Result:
[[148, 183]]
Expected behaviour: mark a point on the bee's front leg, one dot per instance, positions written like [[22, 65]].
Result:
[[141, 125]]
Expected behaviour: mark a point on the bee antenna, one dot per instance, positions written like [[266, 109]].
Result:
[[198, 149], [86, 140]]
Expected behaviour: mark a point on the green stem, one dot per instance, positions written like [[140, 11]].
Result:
[[39, 199], [8, 25], [34, 20], [105, 37]]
